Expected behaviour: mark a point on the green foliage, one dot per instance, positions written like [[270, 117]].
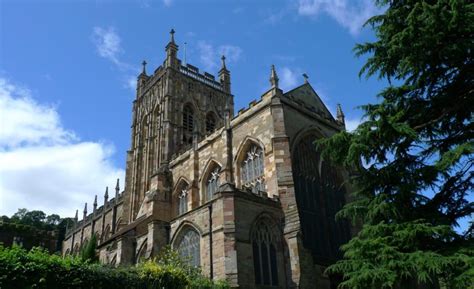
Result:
[[88, 251], [35, 221], [37, 269], [413, 154]]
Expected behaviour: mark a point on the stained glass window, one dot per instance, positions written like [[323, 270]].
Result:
[[264, 254], [251, 170], [212, 184], [188, 246], [319, 196]]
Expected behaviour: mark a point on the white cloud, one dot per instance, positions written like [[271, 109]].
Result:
[[130, 82], [108, 45], [289, 78], [209, 55], [44, 166], [348, 13], [107, 42], [167, 3]]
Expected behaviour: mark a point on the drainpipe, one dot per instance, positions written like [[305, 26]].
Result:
[[211, 263]]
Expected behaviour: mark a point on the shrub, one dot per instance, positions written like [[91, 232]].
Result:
[[38, 269]]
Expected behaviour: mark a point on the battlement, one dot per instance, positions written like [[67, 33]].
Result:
[[206, 78]]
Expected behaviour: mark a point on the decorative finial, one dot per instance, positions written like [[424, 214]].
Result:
[[339, 114], [77, 216], [305, 76], [95, 202], [85, 211], [172, 35], [274, 77], [223, 62], [106, 195], [117, 188], [144, 67]]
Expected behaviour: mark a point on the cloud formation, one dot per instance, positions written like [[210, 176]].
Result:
[[289, 78], [351, 14], [209, 55], [108, 45], [43, 166]]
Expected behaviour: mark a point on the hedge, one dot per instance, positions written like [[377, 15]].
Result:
[[38, 269]]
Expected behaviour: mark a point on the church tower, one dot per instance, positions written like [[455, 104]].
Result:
[[174, 107]]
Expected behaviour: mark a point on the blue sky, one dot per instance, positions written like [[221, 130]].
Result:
[[68, 70]]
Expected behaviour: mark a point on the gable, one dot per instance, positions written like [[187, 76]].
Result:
[[306, 96]]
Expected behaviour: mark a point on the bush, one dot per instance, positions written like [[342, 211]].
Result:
[[38, 269]]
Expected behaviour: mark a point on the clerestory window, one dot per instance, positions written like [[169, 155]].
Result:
[[252, 170], [183, 200], [212, 184]]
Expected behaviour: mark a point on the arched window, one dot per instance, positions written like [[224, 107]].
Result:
[[210, 123], [212, 183], [264, 254], [188, 246], [251, 170], [183, 199], [141, 255], [188, 124], [319, 196]]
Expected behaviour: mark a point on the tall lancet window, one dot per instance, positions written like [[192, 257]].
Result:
[[212, 184], [210, 123], [264, 254], [188, 246], [188, 124], [252, 170], [183, 200]]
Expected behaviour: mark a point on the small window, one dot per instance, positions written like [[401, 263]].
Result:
[[183, 200], [212, 184], [210, 123], [252, 170]]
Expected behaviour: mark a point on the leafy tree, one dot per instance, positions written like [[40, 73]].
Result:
[[88, 251], [413, 154]]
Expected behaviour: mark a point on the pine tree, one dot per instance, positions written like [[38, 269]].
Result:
[[413, 153]]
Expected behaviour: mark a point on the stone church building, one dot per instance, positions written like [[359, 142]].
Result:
[[245, 196]]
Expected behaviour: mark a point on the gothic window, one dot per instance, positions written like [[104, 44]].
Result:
[[188, 246], [183, 200], [212, 183], [188, 124], [251, 170], [141, 255], [319, 196], [210, 123], [264, 254]]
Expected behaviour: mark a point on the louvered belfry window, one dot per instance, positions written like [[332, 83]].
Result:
[[210, 123], [264, 254], [188, 124], [188, 246], [252, 170], [212, 184]]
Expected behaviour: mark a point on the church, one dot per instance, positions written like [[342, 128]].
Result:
[[245, 196]]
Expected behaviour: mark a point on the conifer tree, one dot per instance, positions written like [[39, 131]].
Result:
[[413, 153]]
